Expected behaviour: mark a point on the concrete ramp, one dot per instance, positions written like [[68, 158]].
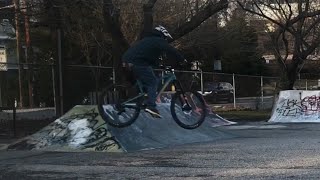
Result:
[[82, 129], [297, 106], [212, 118], [151, 133]]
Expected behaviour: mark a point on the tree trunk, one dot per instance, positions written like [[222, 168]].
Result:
[[28, 54], [292, 77], [292, 71], [147, 18], [119, 43]]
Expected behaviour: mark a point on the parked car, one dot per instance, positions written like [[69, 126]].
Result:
[[217, 91]]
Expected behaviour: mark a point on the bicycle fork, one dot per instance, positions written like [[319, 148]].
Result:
[[185, 106]]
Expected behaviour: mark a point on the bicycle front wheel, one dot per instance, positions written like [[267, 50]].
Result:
[[188, 109], [115, 107]]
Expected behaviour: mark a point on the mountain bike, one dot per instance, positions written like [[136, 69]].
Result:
[[120, 104]]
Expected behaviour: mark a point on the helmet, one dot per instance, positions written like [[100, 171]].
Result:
[[164, 31]]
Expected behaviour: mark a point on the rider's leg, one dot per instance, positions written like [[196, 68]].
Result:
[[146, 75]]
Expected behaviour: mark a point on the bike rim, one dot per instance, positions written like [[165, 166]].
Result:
[[113, 111], [191, 116]]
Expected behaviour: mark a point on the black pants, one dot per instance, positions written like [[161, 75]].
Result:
[[147, 77]]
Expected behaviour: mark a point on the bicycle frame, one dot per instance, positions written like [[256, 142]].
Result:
[[169, 77]]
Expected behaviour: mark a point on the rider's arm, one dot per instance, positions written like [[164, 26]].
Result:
[[172, 51]]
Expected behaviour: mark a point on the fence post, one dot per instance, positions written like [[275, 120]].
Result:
[[54, 90], [14, 120], [60, 69], [201, 81], [162, 75], [234, 91], [113, 75], [306, 84], [261, 86]]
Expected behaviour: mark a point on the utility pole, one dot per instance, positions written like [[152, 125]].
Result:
[[17, 11], [28, 52]]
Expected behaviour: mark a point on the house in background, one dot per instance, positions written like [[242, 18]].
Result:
[[7, 45], [8, 60]]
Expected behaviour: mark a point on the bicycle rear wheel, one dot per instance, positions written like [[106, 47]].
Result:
[[188, 109], [115, 108]]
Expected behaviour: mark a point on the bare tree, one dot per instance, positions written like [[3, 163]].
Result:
[[296, 29], [125, 21], [120, 44]]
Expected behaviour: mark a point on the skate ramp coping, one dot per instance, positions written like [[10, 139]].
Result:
[[297, 106], [29, 114], [83, 129]]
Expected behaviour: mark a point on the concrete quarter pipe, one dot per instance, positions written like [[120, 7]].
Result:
[[297, 106]]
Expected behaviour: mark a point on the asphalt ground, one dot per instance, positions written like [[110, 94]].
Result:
[[257, 151]]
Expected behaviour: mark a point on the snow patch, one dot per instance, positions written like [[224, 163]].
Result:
[[79, 131]]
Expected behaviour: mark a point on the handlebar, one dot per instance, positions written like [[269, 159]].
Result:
[[166, 68]]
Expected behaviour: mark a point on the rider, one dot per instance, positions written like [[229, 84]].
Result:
[[143, 56]]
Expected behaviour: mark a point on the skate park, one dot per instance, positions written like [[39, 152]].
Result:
[[83, 129], [162, 149], [255, 63]]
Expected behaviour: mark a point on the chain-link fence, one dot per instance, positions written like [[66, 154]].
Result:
[[307, 84], [83, 83], [27, 85], [234, 90], [39, 86]]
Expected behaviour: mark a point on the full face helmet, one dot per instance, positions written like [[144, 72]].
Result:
[[164, 31]]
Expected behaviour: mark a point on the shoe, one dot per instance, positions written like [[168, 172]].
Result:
[[153, 111]]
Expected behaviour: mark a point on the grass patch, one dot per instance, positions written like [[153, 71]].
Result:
[[245, 115]]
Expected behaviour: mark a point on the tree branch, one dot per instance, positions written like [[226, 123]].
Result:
[[201, 16], [312, 26], [261, 14]]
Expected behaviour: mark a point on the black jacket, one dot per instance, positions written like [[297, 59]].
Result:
[[147, 51]]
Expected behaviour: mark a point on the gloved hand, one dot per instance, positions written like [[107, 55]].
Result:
[[184, 64]]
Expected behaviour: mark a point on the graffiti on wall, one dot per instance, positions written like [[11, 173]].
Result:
[[91, 135], [309, 105]]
